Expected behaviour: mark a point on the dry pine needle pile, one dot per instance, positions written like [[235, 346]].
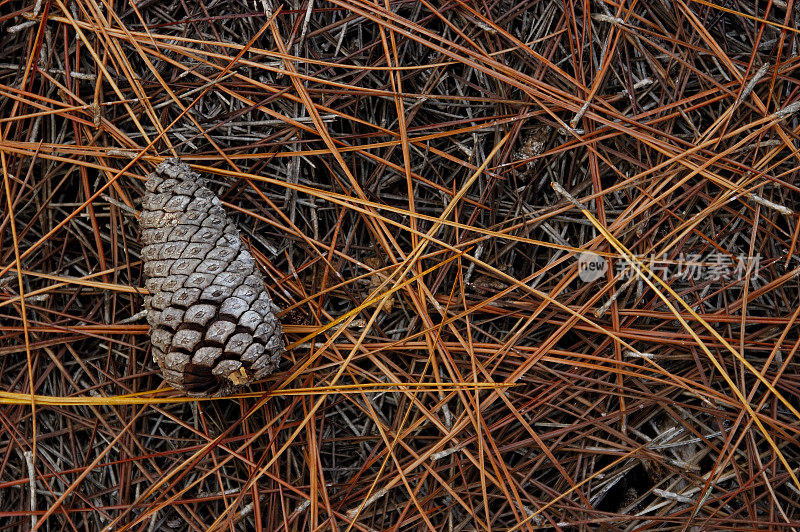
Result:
[[468, 265]]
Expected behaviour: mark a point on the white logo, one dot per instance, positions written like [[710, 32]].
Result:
[[591, 266]]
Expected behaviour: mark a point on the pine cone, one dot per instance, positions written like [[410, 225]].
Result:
[[212, 328]]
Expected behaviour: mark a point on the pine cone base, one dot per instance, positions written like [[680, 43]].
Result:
[[212, 328]]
